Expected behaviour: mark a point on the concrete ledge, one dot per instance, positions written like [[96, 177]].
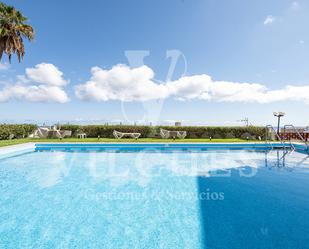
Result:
[[14, 150]]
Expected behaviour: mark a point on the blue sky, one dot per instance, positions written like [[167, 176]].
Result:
[[262, 42]]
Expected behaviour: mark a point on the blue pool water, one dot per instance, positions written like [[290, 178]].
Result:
[[54, 198]]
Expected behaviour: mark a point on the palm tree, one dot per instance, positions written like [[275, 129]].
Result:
[[12, 32]]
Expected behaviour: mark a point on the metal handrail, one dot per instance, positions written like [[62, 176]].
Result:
[[277, 135], [300, 136], [266, 138]]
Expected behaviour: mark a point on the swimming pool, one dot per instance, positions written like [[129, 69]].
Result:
[[154, 196]]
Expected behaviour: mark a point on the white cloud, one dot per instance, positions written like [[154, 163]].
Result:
[[137, 84], [4, 66], [121, 83], [190, 87], [269, 20], [46, 73], [43, 83]]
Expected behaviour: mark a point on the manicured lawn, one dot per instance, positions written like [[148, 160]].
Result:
[[93, 140]]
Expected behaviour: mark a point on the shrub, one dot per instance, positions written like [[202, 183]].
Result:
[[219, 132], [8, 131], [246, 135], [230, 135], [217, 136], [73, 128], [106, 131]]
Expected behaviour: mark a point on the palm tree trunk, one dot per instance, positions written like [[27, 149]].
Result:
[[2, 46]]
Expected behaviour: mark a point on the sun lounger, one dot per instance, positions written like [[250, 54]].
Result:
[[172, 134], [50, 132], [120, 135], [65, 133]]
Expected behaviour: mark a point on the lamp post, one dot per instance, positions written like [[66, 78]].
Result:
[[278, 115]]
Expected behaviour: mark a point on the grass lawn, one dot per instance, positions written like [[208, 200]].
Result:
[[148, 140]]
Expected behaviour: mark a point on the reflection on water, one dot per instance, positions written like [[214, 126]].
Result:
[[267, 210], [71, 200], [43, 170], [47, 169], [282, 159], [62, 199]]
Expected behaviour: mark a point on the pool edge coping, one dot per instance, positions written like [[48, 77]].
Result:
[[16, 149]]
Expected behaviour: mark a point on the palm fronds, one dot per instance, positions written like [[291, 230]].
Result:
[[13, 31]]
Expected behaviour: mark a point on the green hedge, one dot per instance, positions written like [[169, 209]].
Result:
[[106, 131], [252, 132], [9, 131]]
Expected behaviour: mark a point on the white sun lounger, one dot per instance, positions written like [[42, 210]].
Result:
[[45, 132], [120, 135], [172, 134]]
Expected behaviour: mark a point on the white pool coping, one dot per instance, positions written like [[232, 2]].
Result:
[[14, 150], [158, 142]]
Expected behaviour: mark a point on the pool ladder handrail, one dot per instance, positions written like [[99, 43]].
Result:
[[299, 135], [277, 135], [281, 161]]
